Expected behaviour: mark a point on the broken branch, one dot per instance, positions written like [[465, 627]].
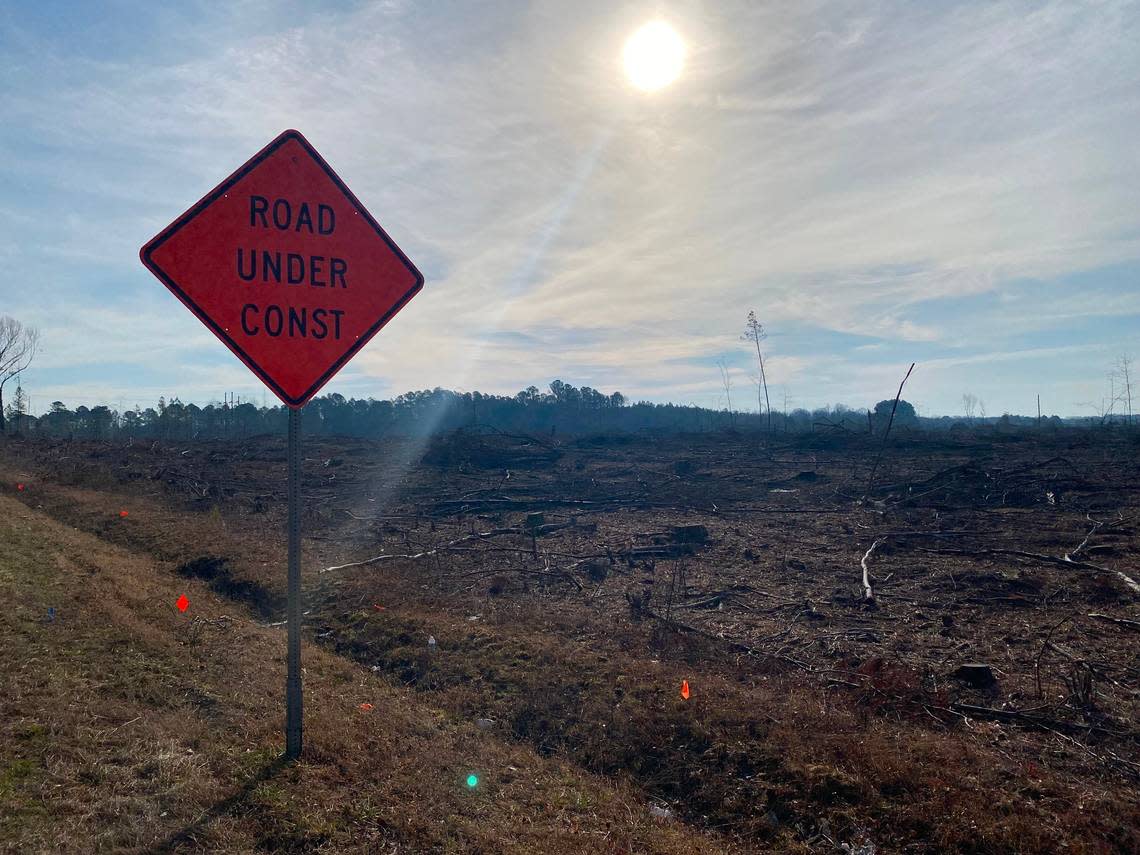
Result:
[[869, 594]]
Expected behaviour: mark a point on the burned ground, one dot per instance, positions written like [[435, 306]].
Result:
[[981, 697]]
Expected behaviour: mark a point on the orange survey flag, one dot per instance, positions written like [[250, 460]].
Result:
[[685, 689]]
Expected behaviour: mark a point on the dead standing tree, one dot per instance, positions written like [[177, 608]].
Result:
[[887, 431], [17, 349], [1124, 372], [754, 332], [726, 381]]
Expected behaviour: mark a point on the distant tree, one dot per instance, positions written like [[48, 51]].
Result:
[[1124, 373], [82, 421], [148, 421], [564, 393], [969, 405], [903, 415], [194, 419], [337, 416], [726, 382], [591, 399], [162, 421], [754, 333], [173, 419], [101, 419], [130, 422], [58, 420], [247, 418], [18, 408], [17, 350]]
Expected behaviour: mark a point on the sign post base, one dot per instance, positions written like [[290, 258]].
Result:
[[293, 680]]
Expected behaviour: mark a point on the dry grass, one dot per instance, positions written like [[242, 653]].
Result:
[[764, 757], [125, 729]]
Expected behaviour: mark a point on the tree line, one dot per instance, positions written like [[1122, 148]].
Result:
[[563, 409]]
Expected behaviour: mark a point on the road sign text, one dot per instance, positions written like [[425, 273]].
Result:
[[286, 267]]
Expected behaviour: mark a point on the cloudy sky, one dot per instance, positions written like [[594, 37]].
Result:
[[954, 184]]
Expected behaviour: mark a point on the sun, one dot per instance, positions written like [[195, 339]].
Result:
[[654, 56]]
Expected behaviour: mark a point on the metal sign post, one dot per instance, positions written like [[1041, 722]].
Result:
[[293, 703], [284, 264]]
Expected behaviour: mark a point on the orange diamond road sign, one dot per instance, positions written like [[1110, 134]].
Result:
[[286, 267]]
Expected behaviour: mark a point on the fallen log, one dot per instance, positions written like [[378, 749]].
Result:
[[1124, 622], [1034, 722], [1037, 556]]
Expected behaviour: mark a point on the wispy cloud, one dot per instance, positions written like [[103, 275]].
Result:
[[839, 169]]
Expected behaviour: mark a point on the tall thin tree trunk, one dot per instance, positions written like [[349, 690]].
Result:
[[767, 403], [764, 383], [887, 432]]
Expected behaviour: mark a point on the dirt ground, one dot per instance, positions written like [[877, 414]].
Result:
[[981, 696]]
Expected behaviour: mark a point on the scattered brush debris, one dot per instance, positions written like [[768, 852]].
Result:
[[995, 671], [489, 449]]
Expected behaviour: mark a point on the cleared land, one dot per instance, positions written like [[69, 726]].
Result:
[[817, 716]]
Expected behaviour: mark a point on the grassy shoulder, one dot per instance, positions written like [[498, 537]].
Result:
[[126, 725]]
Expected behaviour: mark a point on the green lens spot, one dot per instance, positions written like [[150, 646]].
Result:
[[472, 781]]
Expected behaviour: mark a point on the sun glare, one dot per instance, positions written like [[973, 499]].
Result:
[[654, 56]]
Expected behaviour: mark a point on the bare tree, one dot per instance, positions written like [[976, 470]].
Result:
[[17, 349], [726, 381], [1124, 372], [1103, 410], [969, 405], [1113, 398], [754, 332]]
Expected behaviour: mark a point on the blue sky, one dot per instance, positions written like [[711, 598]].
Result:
[[950, 184]]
